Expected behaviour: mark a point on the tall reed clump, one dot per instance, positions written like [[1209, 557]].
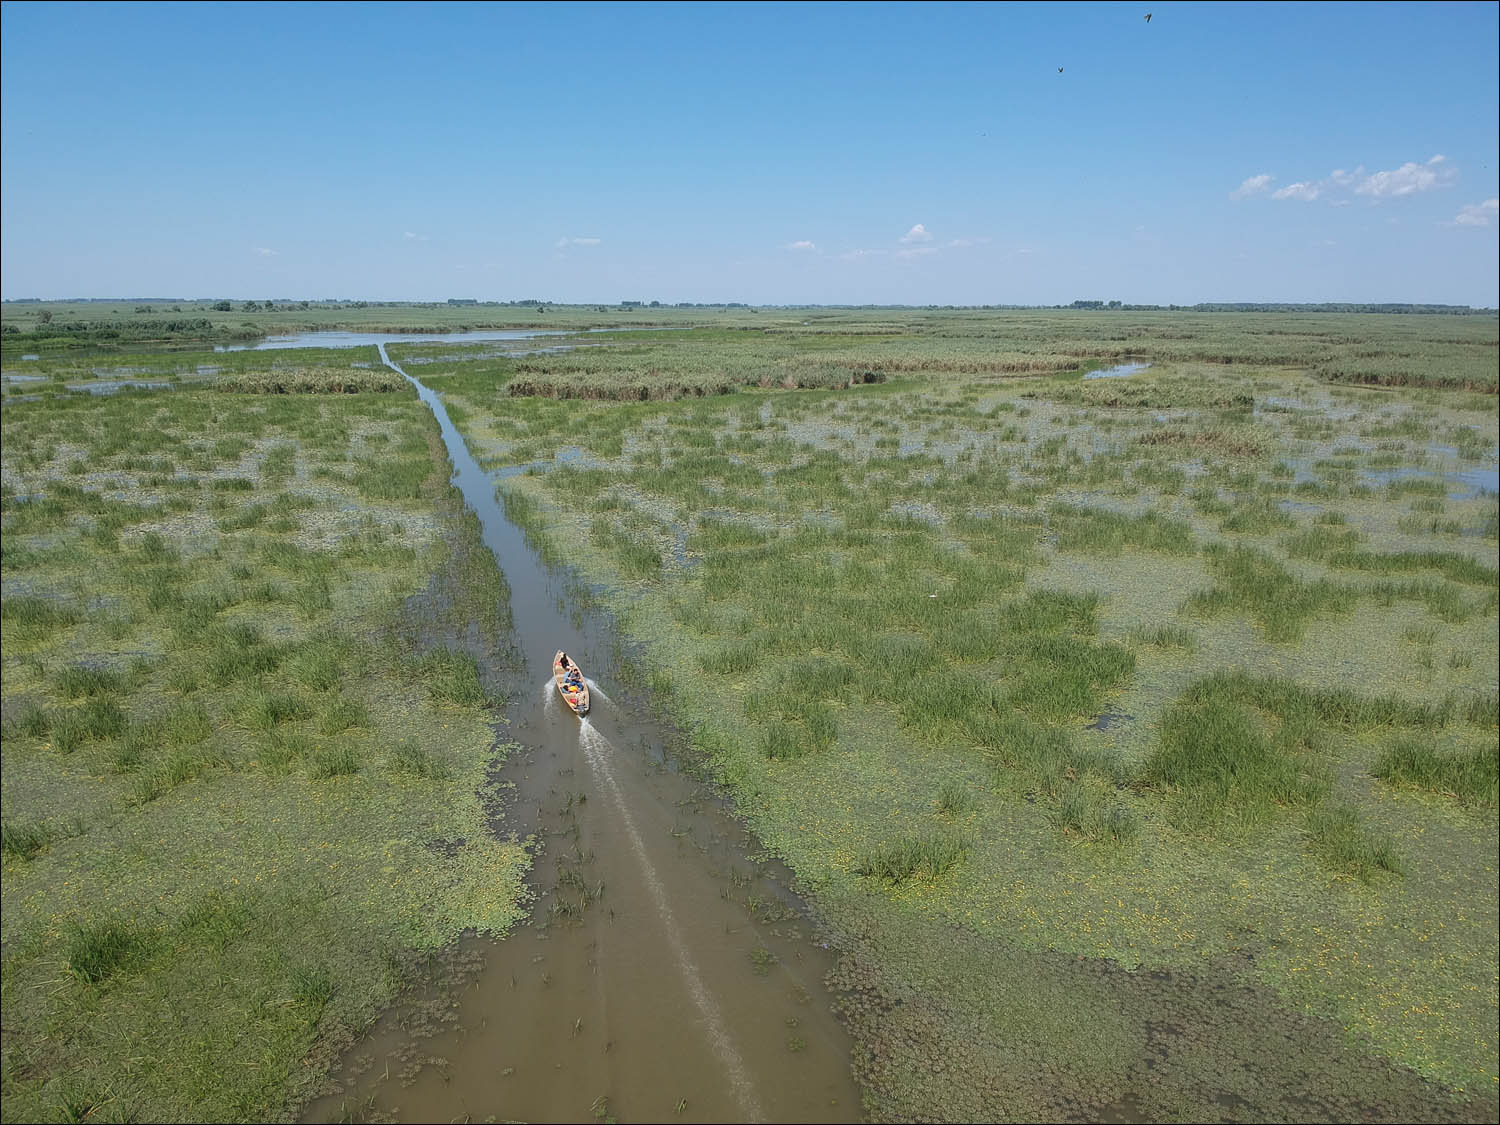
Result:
[[313, 381]]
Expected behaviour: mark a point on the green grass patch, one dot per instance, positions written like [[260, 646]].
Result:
[[28, 621], [80, 680], [414, 760], [453, 677], [1471, 775], [1097, 529], [1339, 839], [22, 841], [1230, 766], [340, 760], [1165, 636], [97, 951], [932, 854], [342, 714], [1253, 582]]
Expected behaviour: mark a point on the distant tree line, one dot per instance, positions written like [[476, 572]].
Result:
[[1281, 306], [99, 331], [1410, 308]]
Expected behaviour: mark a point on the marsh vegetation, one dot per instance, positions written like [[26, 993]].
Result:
[[893, 614], [227, 747], [1034, 681]]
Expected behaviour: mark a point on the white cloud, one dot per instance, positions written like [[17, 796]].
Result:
[[918, 233], [856, 255], [916, 252], [1254, 185], [266, 252], [1305, 191], [563, 243], [802, 244], [1408, 179], [1478, 214], [413, 236]]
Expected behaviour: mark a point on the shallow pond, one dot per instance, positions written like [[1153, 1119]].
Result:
[[111, 386], [1463, 484], [1118, 371], [369, 339]]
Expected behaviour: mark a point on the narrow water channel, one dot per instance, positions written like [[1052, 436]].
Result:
[[666, 971]]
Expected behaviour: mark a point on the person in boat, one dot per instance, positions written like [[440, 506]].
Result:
[[572, 677]]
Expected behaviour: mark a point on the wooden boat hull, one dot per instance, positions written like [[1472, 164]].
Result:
[[577, 698]]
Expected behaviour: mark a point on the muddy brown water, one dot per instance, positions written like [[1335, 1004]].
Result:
[[666, 971]]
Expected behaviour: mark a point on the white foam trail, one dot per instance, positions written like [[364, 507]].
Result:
[[595, 689], [549, 696], [594, 747]]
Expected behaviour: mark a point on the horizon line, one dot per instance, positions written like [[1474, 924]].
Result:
[[1082, 305]]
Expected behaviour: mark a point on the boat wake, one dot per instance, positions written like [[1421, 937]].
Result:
[[599, 751]]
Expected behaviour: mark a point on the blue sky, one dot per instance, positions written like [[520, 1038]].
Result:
[[755, 152]]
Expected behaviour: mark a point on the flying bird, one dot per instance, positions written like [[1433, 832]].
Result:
[[1059, 70], [1148, 17]]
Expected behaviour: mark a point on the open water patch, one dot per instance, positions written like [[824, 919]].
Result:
[[113, 386], [331, 339], [1118, 371], [1108, 720], [1463, 484]]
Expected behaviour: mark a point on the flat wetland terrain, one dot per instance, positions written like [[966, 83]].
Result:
[[230, 746], [1132, 738]]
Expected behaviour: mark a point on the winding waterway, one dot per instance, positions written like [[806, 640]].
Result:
[[665, 972]]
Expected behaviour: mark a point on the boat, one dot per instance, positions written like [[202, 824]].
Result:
[[575, 692]]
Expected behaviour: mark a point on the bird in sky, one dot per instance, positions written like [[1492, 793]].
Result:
[[1148, 17], [1059, 70]]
